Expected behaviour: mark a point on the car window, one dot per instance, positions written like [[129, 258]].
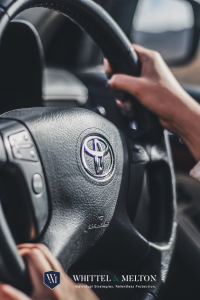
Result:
[[165, 26]]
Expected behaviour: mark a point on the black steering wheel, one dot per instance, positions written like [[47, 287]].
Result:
[[72, 180]]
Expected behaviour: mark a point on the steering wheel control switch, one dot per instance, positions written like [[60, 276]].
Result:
[[133, 125], [37, 183], [22, 183], [100, 110], [21, 138], [22, 146], [139, 154]]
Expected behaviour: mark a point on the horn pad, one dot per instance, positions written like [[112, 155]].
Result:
[[83, 158]]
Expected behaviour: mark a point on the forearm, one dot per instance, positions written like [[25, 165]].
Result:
[[186, 124], [191, 134]]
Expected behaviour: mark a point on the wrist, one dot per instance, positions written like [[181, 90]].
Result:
[[187, 127], [184, 120]]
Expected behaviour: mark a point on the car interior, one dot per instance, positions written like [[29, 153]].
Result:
[[54, 91]]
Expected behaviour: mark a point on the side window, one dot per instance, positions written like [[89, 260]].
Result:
[[167, 26]]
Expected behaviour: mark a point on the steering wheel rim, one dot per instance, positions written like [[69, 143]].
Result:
[[123, 61]]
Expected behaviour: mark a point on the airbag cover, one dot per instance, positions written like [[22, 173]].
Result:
[[82, 205]]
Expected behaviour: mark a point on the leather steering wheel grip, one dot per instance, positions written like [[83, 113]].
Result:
[[108, 36], [13, 270], [94, 20]]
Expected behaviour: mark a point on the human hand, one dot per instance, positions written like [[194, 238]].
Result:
[[39, 260], [159, 91]]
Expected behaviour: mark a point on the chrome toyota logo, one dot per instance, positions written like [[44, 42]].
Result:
[[97, 157]]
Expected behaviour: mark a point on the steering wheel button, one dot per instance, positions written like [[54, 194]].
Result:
[[17, 153], [22, 146], [25, 137], [25, 153], [37, 183], [32, 153], [13, 141], [138, 154], [20, 139]]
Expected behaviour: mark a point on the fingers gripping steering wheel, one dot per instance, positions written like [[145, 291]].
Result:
[[79, 179]]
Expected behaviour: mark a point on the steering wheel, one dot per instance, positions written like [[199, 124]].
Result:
[[72, 180]]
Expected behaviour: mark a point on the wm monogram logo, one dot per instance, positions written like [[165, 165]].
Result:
[[52, 279]]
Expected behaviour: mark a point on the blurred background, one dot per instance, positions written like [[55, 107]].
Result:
[[166, 26]]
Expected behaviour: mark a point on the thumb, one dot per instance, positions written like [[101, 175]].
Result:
[[129, 84], [8, 292]]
